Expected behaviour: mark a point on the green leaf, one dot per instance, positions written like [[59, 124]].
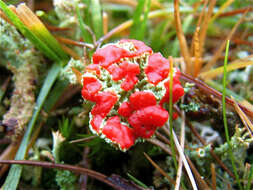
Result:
[[96, 17], [12, 180]]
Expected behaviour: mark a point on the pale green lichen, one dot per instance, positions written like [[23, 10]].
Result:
[[19, 56], [68, 74], [240, 142], [66, 11], [192, 106]]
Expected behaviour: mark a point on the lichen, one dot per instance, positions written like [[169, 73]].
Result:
[[67, 72], [19, 56]]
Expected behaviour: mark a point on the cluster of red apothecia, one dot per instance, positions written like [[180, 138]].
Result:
[[129, 85]]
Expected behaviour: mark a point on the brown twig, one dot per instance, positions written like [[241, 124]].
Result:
[[79, 170], [212, 92], [75, 43]]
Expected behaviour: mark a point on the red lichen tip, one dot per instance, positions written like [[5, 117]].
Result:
[[128, 85]]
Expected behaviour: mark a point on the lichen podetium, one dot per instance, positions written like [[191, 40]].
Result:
[[129, 86]]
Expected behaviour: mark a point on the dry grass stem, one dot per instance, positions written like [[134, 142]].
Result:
[[213, 176], [198, 24], [223, 45], [182, 141], [204, 26], [70, 52], [186, 165], [72, 42], [212, 92], [246, 121], [105, 23], [181, 37], [221, 9], [158, 143], [83, 139], [196, 44], [78, 75], [160, 170]]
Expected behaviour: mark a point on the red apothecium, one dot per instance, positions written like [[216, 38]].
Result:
[[129, 85]]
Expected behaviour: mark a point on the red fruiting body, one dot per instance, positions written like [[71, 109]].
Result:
[[129, 85], [118, 133], [125, 109], [90, 87], [140, 100], [158, 68]]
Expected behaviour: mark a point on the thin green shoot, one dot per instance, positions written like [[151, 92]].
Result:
[[225, 118], [13, 177]]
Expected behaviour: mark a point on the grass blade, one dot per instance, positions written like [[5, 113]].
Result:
[[137, 22], [12, 180], [225, 118], [50, 52], [96, 17], [250, 179], [85, 34], [232, 66], [38, 29], [140, 22]]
